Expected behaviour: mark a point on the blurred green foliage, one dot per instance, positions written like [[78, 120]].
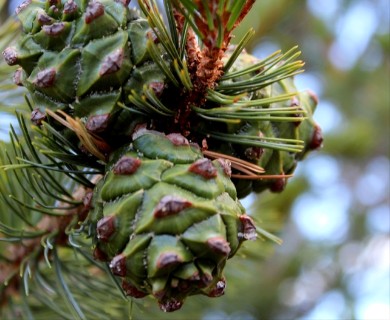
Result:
[[332, 277]]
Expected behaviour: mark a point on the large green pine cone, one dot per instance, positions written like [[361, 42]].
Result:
[[167, 219], [273, 160], [83, 57]]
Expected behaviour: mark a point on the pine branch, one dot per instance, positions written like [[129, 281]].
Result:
[[182, 78], [38, 208]]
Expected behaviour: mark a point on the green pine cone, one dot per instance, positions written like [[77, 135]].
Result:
[[168, 219], [83, 57], [278, 162], [273, 160]]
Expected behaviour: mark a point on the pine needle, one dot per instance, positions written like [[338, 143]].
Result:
[[89, 141], [249, 171], [248, 165]]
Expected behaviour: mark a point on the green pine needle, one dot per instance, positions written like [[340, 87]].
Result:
[[209, 16], [65, 292], [171, 23], [235, 11], [237, 102], [183, 74], [270, 62], [19, 234], [156, 22], [269, 236], [156, 54], [254, 141], [238, 50], [148, 106], [188, 9], [156, 103]]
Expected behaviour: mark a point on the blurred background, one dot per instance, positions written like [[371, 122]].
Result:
[[334, 216]]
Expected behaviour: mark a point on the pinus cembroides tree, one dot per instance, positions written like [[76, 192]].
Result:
[[144, 134]]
